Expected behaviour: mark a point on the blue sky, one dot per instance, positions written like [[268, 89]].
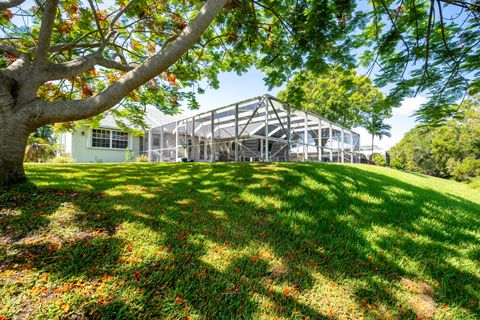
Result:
[[237, 88]]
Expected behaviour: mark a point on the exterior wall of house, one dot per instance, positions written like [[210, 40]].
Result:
[[65, 142], [81, 150]]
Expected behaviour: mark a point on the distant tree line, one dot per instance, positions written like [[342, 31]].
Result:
[[449, 150]]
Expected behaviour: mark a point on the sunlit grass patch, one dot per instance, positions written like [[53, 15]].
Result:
[[246, 240]]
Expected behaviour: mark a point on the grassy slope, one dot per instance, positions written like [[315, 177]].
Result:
[[228, 240]]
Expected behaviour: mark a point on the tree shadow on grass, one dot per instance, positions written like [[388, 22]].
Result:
[[93, 251], [246, 239], [426, 228]]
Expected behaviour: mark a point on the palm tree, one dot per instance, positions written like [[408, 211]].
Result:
[[376, 127]]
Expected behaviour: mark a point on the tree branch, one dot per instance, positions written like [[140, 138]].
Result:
[[429, 30], [170, 39], [72, 68], [18, 66], [427, 53], [462, 4], [15, 69], [399, 34], [12, 51], [46, 30], [10, 4], [112, 25], [97, 21], [417, 37], [442, 27], [111, 64], [44, 112], [72, 45], [285, 24], [69, 69], [375, 22]]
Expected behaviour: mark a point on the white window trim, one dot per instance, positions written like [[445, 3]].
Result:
[[90, 139]]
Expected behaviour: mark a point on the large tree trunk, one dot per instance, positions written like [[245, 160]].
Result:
[[15, 127], [13, 141]]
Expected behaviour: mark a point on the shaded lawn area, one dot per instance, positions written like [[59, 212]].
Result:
[[223, 241]]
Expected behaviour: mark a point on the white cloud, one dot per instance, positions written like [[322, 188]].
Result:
[[409, 106]]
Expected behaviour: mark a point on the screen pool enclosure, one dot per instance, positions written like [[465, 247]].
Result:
[[259, 129]]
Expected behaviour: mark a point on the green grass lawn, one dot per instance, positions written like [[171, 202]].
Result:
[[224, 241]]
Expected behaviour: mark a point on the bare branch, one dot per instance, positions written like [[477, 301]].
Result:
[[72, 68], [170, 39], [10, 4], [72, 45], [15, 69], [111, 64], [46, 29], [12, 51], [19, 65], [69, 69]]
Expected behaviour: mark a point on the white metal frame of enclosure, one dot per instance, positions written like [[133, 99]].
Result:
[[258, 129]]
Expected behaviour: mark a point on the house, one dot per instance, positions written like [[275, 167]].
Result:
[[366, 152], [107, 143], [258, 129]]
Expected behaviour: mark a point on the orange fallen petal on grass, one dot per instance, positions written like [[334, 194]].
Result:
[[180, 300], [136, 275]]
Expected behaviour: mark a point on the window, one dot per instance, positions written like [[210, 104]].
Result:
[[119, 140], [102, 138]]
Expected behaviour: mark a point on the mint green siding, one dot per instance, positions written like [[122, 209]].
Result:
[[82, 152]]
